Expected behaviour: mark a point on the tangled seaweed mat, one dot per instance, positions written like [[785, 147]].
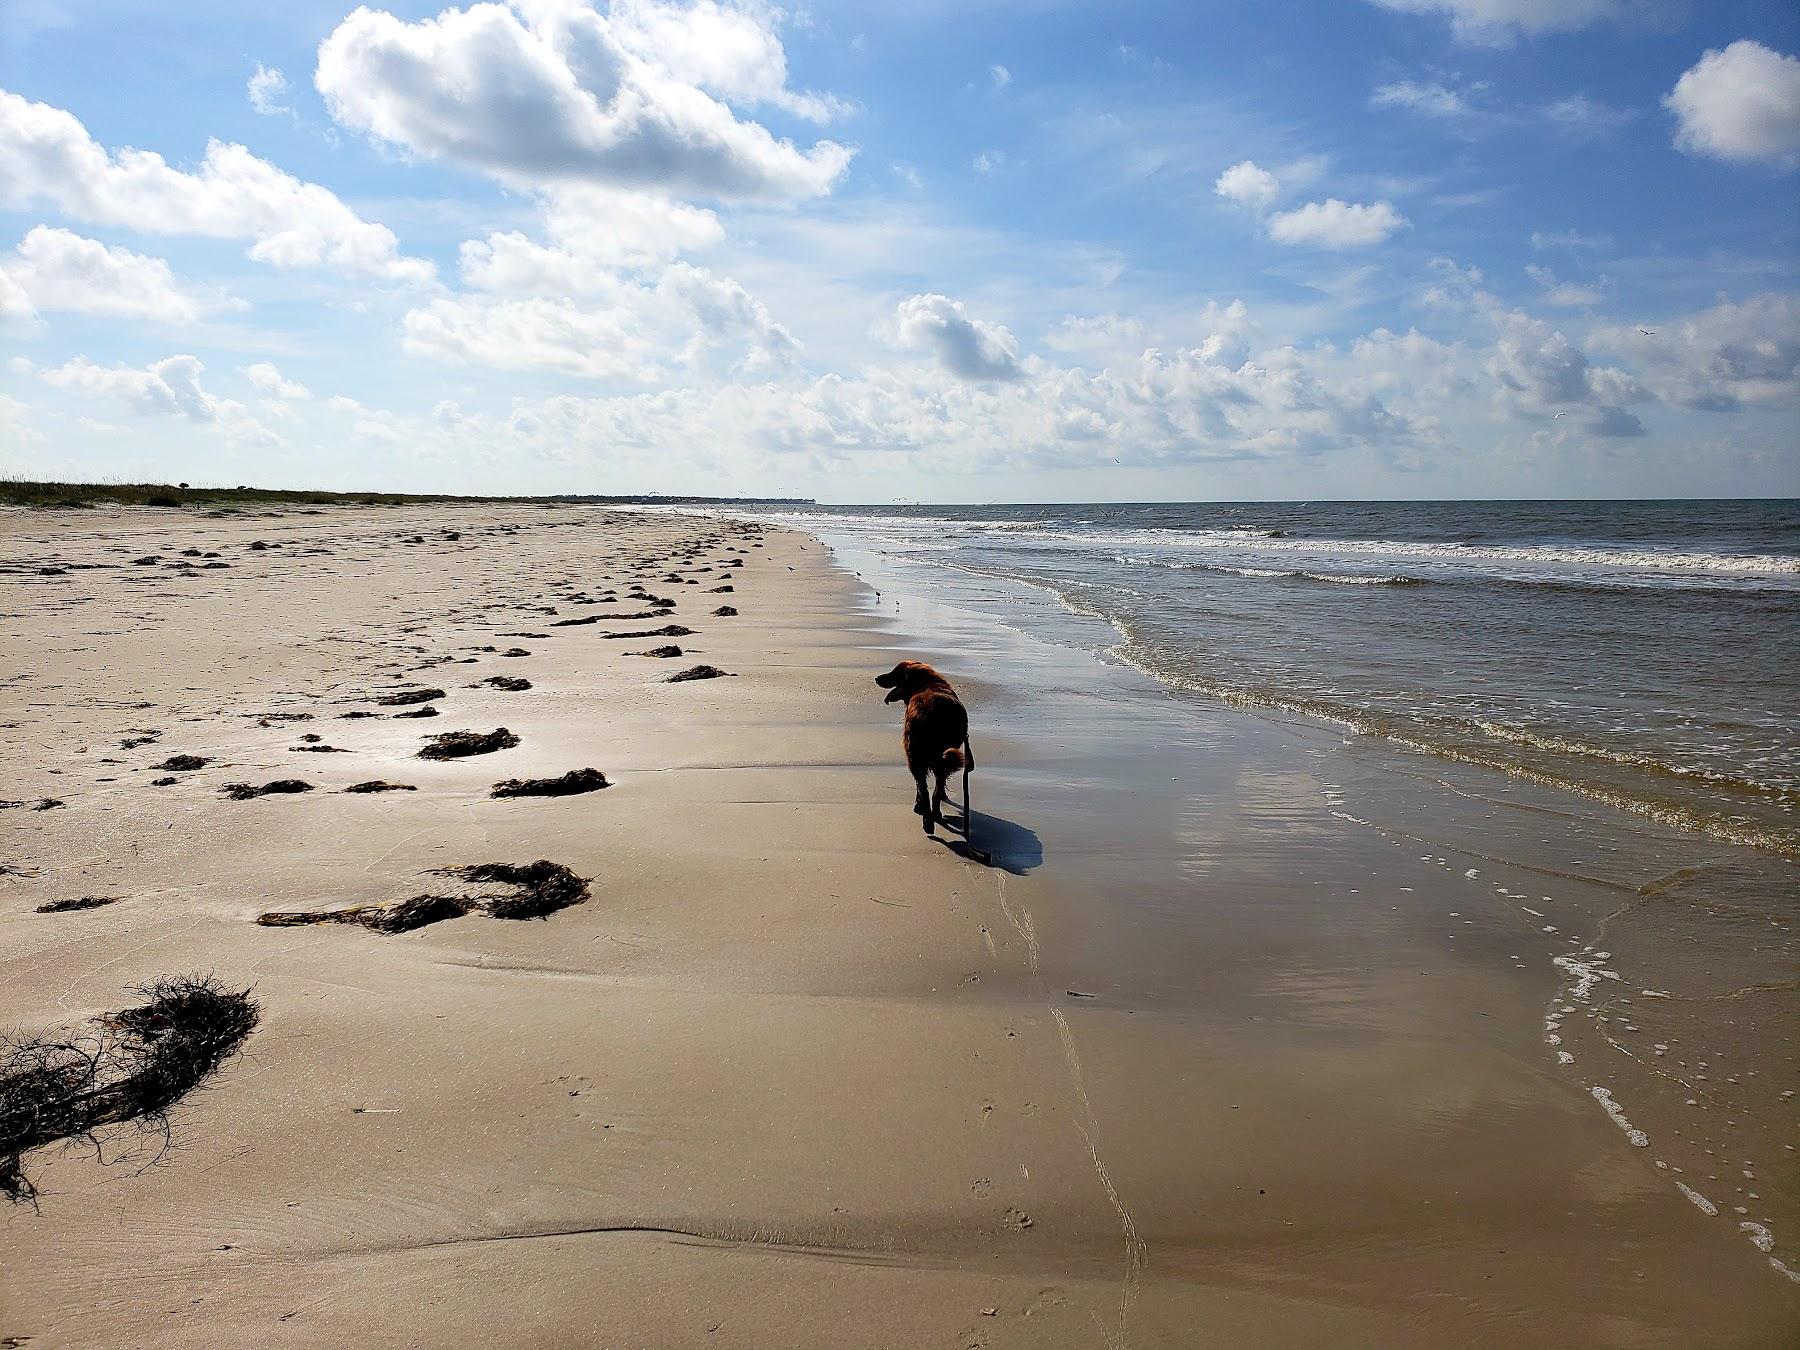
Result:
[[457, 744], [129, 1070], [698, 673], [670, 630], [85, 902], [570, 784], [538, 890], [512, 683], [243, 792], [407, 697]]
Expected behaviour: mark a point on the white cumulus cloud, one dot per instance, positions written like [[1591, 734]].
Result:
[[1501, 21], [1336, 224], [271, 383], [47, 155], [968, 348], [1736, 353], [170, 386], [266, 88], [1247, 184], [619, 328], [553, 93], [56, 269], [731, 50], [1742, 103]]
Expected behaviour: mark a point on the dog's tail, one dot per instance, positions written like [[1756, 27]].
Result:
[[963, 759]]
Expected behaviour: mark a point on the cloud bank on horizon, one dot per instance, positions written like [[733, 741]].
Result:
[[1394, 248]]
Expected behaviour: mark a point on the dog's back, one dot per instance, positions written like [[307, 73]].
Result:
[[936, 733]]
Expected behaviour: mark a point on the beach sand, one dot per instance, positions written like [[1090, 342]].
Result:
[[1189, 1065]]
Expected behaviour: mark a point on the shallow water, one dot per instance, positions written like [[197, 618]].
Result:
[[1638, 653]]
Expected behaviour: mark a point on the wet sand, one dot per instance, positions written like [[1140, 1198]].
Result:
[[1199, 1061]]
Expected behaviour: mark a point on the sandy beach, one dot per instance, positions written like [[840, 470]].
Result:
[[1197, 1061]]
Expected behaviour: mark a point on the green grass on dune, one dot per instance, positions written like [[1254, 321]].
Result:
[[26, 492], [50, 496]]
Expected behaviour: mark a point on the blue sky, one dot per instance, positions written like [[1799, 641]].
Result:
[[1029, 251]]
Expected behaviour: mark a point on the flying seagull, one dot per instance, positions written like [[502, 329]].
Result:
[[1560, 414], [1646, 332]]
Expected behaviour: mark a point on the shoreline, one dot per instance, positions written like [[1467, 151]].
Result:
[[790, 1064]]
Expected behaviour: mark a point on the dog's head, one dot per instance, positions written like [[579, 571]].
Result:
[[904, 679]]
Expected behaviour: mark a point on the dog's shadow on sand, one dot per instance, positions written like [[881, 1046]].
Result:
[[1002, 844]]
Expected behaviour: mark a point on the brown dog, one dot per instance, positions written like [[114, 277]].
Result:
[[936, 738]]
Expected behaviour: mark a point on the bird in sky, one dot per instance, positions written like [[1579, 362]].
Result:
[[1646, 332], [1556, 415]]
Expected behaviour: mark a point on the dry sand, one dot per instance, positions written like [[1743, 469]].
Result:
[[793, 1075]]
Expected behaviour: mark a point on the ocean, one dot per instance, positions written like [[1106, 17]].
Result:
[[1638, 653]]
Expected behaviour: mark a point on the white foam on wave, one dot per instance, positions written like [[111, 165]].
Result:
[[1637, 1137], [1701, 1203], [1760, 1237], [1587, 970], [1275, 573], [1615, 558], [1659, 560]]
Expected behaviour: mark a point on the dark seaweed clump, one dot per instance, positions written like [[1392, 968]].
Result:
[[130, 1069], [697, 673], [407, 697], [513, 683], [570, 784], [403, 917], [536, 890], [243, 792], [85, 902], [671, 630], [182, 763], [457, 744], [539, 889], [379, 785]]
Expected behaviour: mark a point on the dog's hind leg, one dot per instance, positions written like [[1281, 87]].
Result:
[[922, 804]]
